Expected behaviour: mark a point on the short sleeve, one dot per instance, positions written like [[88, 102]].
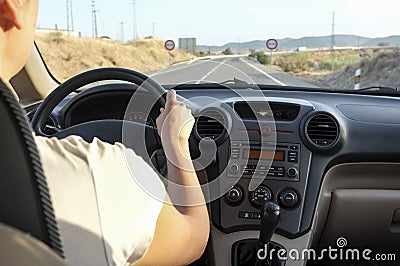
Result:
[[94, 190]]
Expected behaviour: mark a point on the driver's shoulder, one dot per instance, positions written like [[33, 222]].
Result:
[[78, 148]]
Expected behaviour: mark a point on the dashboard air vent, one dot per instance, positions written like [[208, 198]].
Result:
[[322, 131], [210, 124], [50, 128]]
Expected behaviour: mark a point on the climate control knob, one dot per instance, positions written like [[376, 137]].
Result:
[[288, 198], [234, 196], [260, 195]]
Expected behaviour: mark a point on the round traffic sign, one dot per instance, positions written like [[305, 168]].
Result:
[[272, 44], [169, 45]]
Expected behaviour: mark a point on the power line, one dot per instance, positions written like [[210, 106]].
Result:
[[94, 19], [333, 42], [70, 17], [122, 31], [135, 35]]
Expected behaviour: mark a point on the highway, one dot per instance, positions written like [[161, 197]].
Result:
[[226, 68]]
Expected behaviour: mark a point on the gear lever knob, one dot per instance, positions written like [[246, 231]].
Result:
[[270, 218]]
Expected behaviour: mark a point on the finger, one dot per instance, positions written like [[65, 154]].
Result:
[[183, 105], [162, 110], [171, 99]]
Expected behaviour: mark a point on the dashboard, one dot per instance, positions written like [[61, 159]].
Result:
[[271, 144]]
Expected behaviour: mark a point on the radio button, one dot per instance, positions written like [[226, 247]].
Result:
[[280, 169], [248, 172], [280, 174], [294, 147], [273, 174], [292, 172], [262, 173], [293, 156], [234, 168]]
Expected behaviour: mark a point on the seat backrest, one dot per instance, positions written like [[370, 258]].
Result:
[[17, 248], [25, 201]]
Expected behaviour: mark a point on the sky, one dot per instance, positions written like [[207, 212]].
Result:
[[221, 21]]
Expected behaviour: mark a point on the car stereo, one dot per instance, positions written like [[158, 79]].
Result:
[[279, 162]]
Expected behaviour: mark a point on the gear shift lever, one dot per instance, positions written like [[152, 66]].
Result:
[[256, 252], [270, 218]]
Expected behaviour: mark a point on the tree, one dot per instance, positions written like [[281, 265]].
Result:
[[227, 51]]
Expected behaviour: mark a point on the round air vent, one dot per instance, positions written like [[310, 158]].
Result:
[[211, 124], [322, 131], [50, 127]]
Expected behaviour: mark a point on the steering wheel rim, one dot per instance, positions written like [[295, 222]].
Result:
[[55, 97]]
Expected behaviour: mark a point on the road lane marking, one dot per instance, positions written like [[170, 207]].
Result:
[[264, 73], [212, 71], [173, 69]]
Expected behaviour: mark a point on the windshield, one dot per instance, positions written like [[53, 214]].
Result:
[[340, 45]]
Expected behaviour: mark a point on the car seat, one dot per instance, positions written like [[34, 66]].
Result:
[[27, 220]]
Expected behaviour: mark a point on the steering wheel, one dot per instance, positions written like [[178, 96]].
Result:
[[106, 130]]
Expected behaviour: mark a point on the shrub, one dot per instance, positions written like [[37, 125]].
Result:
[[228, 51], [295, 63], [68, 58], [56, 36], [261, 57]]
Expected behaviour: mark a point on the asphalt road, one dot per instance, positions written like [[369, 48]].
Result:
[[223, 69]]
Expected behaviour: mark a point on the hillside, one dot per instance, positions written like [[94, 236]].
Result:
[[67, 56], [309, 42], [383, 69]]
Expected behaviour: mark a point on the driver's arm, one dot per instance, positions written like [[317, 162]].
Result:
[[182, 228]]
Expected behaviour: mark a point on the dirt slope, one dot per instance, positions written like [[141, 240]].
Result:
[[66, 56], [383, 69]]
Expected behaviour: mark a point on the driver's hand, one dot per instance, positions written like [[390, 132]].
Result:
[[175, 122]]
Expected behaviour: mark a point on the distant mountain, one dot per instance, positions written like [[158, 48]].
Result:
[[308, 42], [391, 40]]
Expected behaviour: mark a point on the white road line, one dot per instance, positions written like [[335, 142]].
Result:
[[263, 72], [212, 71], [169, 69]]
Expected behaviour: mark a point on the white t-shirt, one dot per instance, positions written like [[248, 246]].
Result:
[[104, 215]]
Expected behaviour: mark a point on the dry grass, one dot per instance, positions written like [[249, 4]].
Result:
[[67, 56], [316, 61], [378, 68]]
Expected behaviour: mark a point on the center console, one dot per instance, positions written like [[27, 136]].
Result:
[[280, 168], [282, 182]]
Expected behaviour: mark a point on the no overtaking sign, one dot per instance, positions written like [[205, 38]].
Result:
[[272, 44], [169, 45]]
